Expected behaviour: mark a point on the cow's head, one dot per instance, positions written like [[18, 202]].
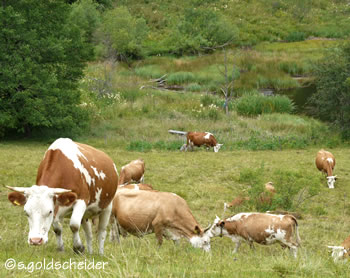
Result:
[[200, 239], [338, 252], [331, 180], [217, 228], [39, 204], [217, 147]]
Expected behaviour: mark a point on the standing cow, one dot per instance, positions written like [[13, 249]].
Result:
[[133, 172], [73, 179], [325, 162], [199, 139], [262, 228], [140, 212]]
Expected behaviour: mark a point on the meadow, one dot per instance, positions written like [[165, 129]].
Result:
[[205, 180]]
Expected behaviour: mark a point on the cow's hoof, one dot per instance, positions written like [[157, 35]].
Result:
[[79, 249], [60, 249]]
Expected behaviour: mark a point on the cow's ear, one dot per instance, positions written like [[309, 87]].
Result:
[[66, 199], [197, 230], [16, 198]]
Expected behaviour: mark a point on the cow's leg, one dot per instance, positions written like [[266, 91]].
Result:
[[291, 246], [102, 227], [251, 245], [79, 209], [238, 244], [114, 232], [142, 180], [88, 234], [57, 228], [158, 231]]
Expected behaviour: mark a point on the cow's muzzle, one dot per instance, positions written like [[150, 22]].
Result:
[[36, 241]]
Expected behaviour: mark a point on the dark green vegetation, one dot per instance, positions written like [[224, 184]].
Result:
[[41, 61], [205, 180]]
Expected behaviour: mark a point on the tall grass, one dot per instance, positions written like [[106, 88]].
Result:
[[256, 104]]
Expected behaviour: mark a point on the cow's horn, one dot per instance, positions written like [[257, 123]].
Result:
[[18, 189], [60, 190]]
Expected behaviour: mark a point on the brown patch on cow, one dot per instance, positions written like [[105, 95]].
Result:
[[17, 198], [66, 199], [199, 139]]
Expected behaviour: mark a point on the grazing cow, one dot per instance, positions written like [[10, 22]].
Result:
[[116, 230], [262, 228], [74, 180], [342, 251], [133, 172], [325, 162], [199, 139], [166, 214]]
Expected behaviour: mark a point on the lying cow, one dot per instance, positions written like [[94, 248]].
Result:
[[133, 172], [73, 179], [262, 228], [342, 251], [325, 162], [166, 214], [264, 197], [199, 139]]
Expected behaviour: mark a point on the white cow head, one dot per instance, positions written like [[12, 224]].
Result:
[[217, 147], [202, 240], [338, 252], [216, 228], [331, 180], [39, 204]]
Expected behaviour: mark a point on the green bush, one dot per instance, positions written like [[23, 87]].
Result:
[[149, 71], [296, 36], [256, 104], [194, 87]]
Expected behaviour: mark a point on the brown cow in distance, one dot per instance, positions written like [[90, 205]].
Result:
[[325, 162], [262, 228], [74, 180], [133, 172], [264, 197], [199, 139]]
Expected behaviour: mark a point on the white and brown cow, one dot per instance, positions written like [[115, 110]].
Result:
[[73, 179], [262, 228], [342, 251], [141, 212], [133, 172], [325, 162], [199, 139]]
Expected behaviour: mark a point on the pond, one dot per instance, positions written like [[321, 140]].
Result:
[[299, 96]]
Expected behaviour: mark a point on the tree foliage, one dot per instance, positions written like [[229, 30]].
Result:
[[41, 60], [122, 34], [332, 100], [199, 30]]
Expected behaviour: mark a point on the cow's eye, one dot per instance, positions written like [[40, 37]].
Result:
[[50, 212]]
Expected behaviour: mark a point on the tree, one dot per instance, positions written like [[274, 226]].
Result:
[[41, 60], [122, 34], [331, 102]]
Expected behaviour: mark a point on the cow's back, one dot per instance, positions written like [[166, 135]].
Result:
[[321, 159], [80, 168]]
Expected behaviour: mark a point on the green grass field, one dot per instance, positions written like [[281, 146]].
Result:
[[205, 180]]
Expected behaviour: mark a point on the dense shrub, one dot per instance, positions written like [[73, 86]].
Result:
[[256, 104], [296, 36]]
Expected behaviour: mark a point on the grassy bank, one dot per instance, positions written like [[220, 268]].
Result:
[[205, 180]]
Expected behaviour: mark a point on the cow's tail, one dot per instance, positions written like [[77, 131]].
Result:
[[298, 240]]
